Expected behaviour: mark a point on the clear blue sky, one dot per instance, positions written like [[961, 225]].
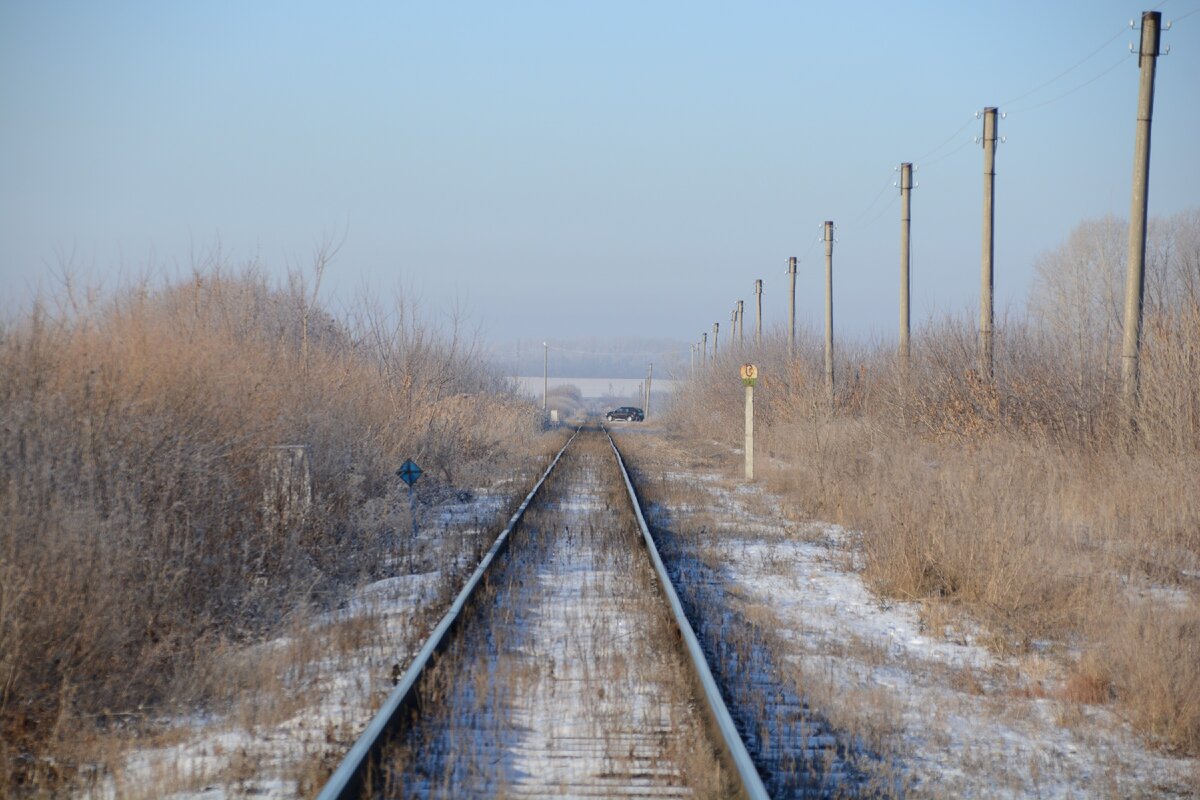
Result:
[[577, 169]]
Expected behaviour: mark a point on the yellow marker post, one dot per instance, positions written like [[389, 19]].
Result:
[[749, 378]]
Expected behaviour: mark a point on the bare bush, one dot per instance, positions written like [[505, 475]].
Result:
[[141, 531]]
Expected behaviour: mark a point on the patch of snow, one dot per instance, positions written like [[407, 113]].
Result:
[[222, 757], [966, 721]]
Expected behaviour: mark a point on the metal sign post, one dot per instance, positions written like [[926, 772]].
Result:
[[409, 472], [749, 378]]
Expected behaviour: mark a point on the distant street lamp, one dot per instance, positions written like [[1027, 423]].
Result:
[[545, 373]]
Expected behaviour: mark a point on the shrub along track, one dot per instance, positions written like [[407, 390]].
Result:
[[558, 671]]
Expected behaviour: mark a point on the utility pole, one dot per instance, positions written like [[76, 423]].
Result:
[[704, 338], [829, 312], [986, 301], [545, 373], [792, 308], [1135, 275], [741, 313], [906, 186], [716, 330], [758, 313], [649, 380], [692, 359], [733, 324]]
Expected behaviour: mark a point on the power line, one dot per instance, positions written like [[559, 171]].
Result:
[[948, 140], [1185, 16], [944, 156], [867, 210], [1125, 57], [1068, 70], [1016, 100], [883, 211], [811, 244]]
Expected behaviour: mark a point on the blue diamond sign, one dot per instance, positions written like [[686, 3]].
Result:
[[409, 472]]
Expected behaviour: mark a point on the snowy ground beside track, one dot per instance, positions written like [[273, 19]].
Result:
[[331, 699], [957, 719]]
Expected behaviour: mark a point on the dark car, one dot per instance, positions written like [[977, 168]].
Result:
[[627, 413]]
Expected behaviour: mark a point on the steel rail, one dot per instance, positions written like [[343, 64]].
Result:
[[729, 738], [348, 780]]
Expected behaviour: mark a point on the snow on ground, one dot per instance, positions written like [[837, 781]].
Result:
[[322, 683], [954, 718], [958, 719]]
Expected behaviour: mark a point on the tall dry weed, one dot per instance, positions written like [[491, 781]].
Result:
[[1023, 498], [140, 527]]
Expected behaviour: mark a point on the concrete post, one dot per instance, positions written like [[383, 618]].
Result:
[[906, 185], [741, 315], [704, 338], [792, 308], [716, 330], [829, 389], [758, 312], [749, 378], [749, 443], [1135, 275], [987, 272], [649, 382]]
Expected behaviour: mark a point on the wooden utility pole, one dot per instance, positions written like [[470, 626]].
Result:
[[1135, 275], [829, 313], [792, 308], [906, 186], [986, 301], [758, 313], [716, 330]]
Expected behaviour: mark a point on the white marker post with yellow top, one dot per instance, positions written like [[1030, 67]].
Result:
[[749, 378]]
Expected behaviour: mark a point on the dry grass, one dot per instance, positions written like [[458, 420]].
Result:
[[937, 706], [148, 527], [1022, 500]]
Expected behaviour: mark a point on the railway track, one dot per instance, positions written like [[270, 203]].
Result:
[[559, 670]]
